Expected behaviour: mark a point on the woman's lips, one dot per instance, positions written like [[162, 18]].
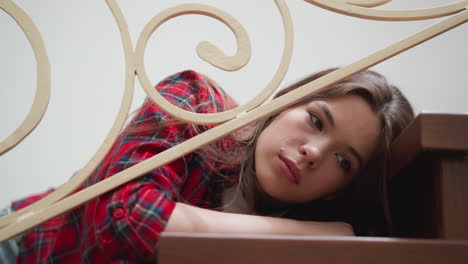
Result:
[[290, 170]]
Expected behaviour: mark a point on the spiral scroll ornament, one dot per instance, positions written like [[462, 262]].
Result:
[[211, 54]]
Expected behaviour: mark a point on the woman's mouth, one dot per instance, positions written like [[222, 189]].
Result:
[[290, 170]]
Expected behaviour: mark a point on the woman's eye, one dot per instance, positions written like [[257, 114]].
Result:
[[316, 121], [344, 163]]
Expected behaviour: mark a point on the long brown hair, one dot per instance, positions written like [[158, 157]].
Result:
[[363, 203]]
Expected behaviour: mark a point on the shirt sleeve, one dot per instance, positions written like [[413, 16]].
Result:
[[127, 222]]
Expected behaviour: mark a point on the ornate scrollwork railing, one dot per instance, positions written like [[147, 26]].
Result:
[[61, 201]]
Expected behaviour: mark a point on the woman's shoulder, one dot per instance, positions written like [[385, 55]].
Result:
[[196, 92]]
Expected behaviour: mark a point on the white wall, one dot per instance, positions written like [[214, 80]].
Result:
[[84, 48]]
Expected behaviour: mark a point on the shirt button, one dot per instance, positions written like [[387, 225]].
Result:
[[118, 213], [105, 240]]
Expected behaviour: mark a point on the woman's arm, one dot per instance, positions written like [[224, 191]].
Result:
[[191, 219]]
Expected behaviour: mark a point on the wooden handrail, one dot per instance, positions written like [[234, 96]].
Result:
[[430, 132], [227, 249]]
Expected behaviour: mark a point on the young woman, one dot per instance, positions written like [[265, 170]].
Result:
[[317, 168]]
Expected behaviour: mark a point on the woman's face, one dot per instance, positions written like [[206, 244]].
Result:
[[313, 150]]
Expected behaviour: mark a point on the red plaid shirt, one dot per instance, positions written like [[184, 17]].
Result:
[[123, 226]]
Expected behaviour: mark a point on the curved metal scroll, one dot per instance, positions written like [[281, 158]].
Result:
[[211, 54], [21, 223], [84, 172], [41, 99], [355, 10], [365, 3]]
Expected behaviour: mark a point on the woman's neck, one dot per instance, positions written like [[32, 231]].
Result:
[[234, 201]]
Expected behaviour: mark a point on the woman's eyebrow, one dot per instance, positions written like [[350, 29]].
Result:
[[327, 112]]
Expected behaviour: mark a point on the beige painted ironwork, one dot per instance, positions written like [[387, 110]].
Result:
[[41, 99], [61, 201]]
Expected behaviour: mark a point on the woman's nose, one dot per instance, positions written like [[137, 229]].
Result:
[[312, 154]]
